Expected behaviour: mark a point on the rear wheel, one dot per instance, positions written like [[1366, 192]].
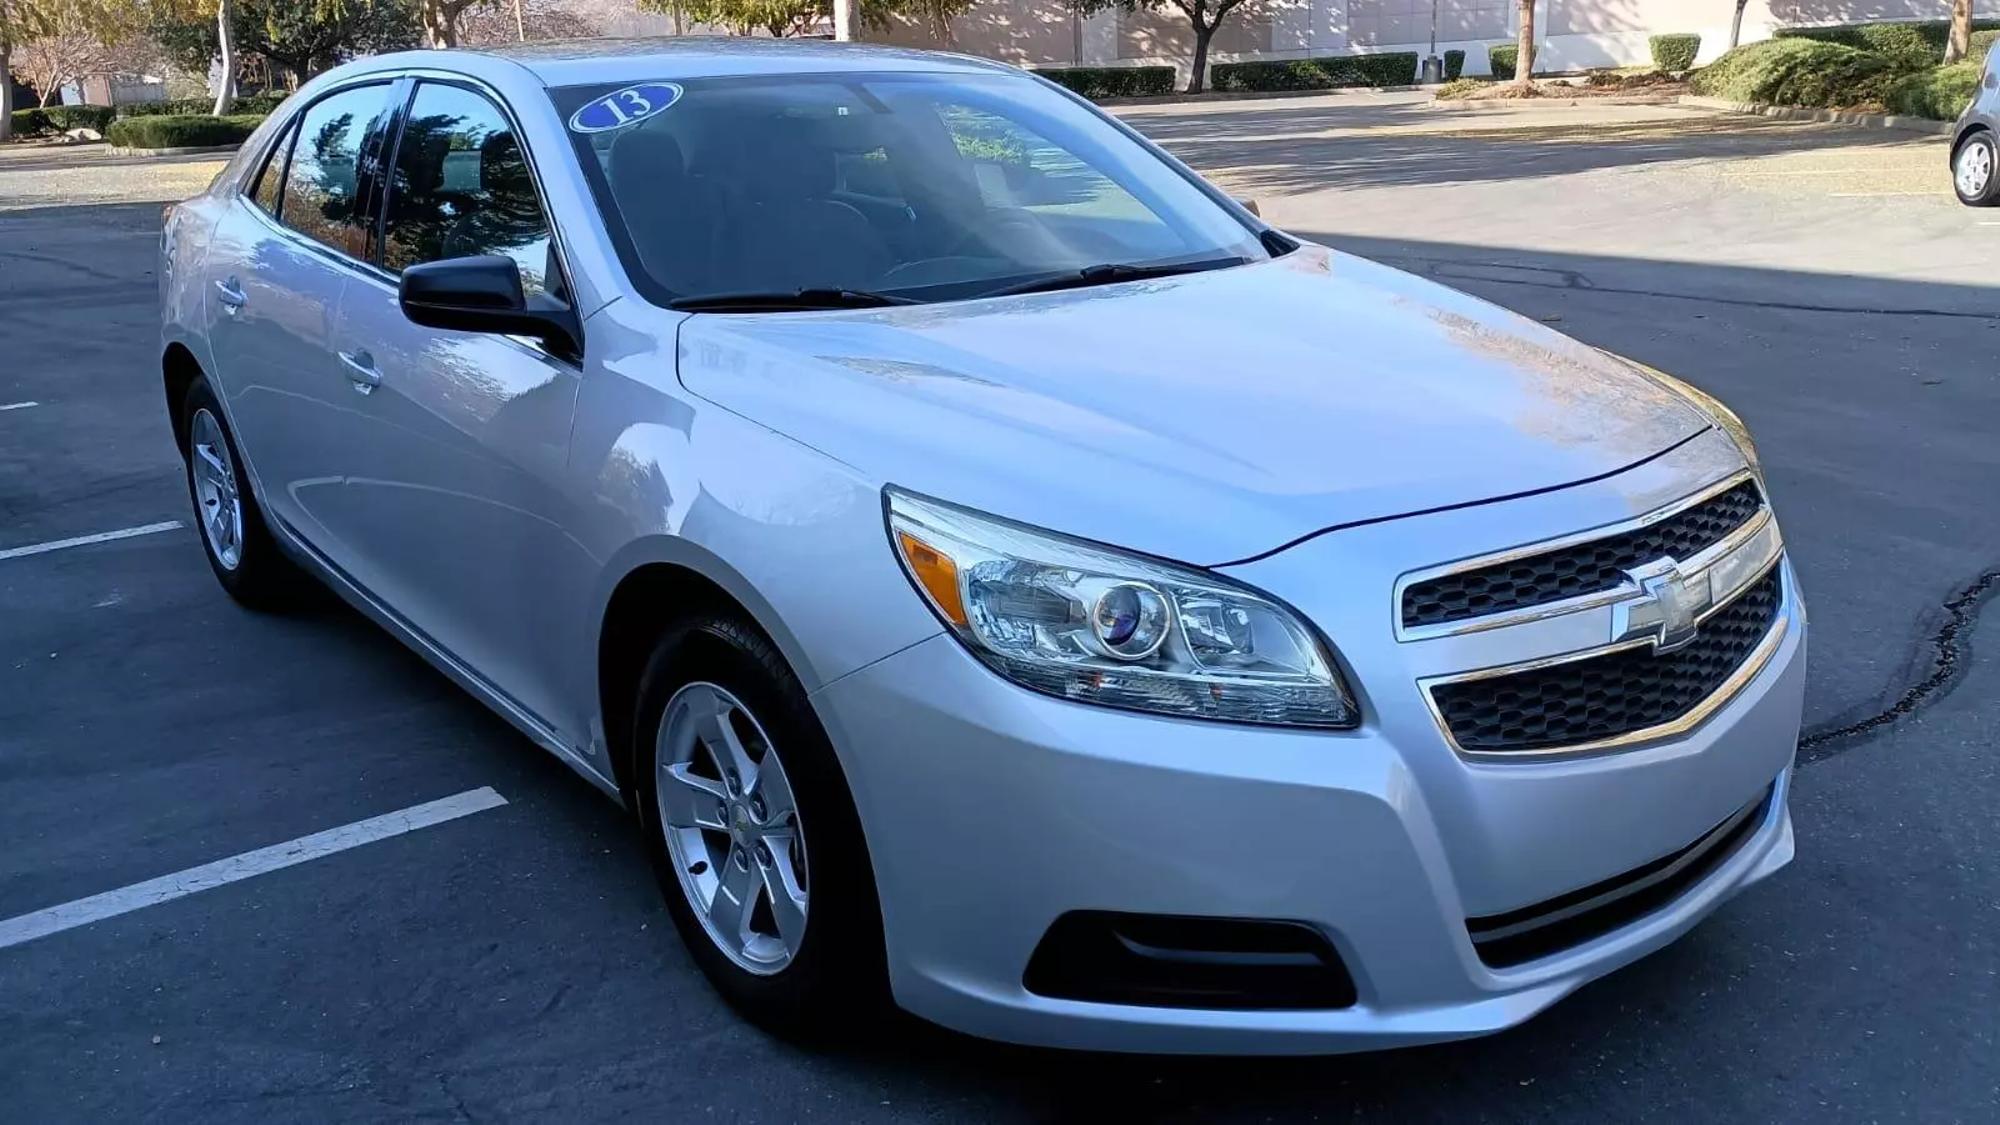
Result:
[[233, 535], [1973, 169], [752, 832]]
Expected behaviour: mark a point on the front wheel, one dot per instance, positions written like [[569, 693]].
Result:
[[753, 835], [1972, 171]]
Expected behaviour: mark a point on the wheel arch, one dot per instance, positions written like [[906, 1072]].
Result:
[[658, 582], [179, 369]]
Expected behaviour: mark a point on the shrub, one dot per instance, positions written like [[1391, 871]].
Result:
[[181, 132], [1675, 53], [1113, 81], [30, 122], [1500, 59], [1940, 93], [197, 107], [1799, 71], [1389, 68], [1460, 88], [1918, 44], [1982, 42], [1454, 65], [63, 118]]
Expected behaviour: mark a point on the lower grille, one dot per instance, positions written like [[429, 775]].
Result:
[[1548, 927], [1600, 697]]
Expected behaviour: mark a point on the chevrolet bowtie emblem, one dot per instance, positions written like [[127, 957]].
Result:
[[1667, 608]]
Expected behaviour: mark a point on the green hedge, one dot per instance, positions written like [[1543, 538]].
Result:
[[1454, 65], [181, 132], [197, 107], [1389, 68], [1500, 59], [1920, 44], [1800, 71], [1675, 53], [1113, 81], [1982, 42], [63, 118], [31, 122], [1940, 93]]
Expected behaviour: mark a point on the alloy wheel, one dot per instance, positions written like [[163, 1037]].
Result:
[[217, 495], [732, 827], [1975, 169]]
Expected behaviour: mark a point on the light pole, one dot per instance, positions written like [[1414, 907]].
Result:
[[1433, 65]]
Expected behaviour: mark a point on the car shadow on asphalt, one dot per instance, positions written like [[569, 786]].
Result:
[[1277, 153]]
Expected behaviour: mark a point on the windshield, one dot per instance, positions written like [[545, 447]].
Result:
[[914, 186]]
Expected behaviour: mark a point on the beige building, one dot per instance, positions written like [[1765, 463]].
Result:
[[1575, 33]]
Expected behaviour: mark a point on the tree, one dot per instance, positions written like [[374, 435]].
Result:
[[441, 20], [294, 41], [779, 17], [1960, 40], [1524, 44], [50, 43], [221, 14], [524, 20], [1206, 16], [6, 69]]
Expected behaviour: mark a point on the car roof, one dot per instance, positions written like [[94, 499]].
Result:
[[592, 61]]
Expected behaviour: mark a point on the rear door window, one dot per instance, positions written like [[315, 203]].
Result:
[[331, 175], [271, 181]]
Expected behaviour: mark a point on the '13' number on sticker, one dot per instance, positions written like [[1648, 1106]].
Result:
[[635, 101]]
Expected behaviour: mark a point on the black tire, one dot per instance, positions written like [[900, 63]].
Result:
[[837, 981], [1975, 147], [261, 576]]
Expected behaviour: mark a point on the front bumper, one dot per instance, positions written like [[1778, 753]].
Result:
[[991, 811]]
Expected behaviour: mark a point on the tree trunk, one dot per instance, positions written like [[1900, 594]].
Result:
[[1736, 25], [51, 92], [1524, 45], [846, 20], [520, 25], [1198, 69], [1961, 31], [6, 81], [440, 26], [225, 93]]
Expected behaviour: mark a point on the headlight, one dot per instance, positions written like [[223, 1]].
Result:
[[1095, 625], [1725, 418]]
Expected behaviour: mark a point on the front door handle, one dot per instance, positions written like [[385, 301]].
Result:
[[230, 292], [361, 371]]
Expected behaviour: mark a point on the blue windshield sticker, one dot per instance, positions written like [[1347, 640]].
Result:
[[629, 106]]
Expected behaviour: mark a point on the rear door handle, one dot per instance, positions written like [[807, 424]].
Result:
[[230, 293], [361, 371]]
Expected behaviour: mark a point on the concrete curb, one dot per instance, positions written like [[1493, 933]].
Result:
[[1254, 95], [1492, 105], [184, 150], [1827, 116]]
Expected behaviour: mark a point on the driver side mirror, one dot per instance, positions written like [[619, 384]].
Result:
[[484, 294]]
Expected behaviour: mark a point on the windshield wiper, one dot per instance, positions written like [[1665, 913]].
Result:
[[1109, 272], [793, 299]]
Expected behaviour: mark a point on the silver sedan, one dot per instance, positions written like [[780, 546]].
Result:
[[1001, 575]]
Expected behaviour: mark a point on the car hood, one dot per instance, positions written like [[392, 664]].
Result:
[[1207, 417]]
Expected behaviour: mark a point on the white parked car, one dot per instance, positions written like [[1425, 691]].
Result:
[[999, 572]]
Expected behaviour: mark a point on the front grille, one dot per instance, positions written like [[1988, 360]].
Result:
[[1580, 569], [1606, 696], [1556, 924]]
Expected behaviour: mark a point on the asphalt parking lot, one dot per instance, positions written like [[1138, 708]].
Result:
[[515, 960]]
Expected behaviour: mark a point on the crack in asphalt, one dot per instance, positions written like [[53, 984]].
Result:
[[1948, 665]]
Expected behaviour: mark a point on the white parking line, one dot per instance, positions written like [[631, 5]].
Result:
[[6, 406], [1871, 194], [87, 540], [166, 888]]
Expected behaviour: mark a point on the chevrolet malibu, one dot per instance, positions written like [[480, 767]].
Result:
[[1000, 574]]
